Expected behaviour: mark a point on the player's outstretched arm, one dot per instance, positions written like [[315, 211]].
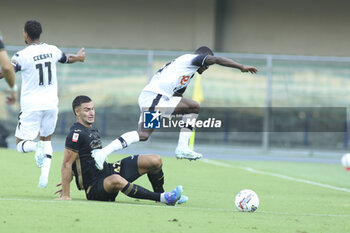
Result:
[[79, 57], [66, 174], [211, 60]]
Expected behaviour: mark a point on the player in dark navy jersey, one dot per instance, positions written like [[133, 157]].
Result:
[[104, 185], [82, 140]]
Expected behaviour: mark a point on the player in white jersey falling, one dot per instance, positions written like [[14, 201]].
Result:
[[39, 100], [164, 92]]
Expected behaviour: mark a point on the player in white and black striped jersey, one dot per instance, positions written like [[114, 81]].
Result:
[[164, 92], [39, 100]]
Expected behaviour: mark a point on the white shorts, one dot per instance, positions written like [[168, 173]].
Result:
[[150, 101], [30, 124]]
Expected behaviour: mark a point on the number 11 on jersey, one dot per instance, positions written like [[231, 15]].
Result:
[[41, 73]]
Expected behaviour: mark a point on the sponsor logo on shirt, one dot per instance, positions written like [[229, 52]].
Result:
[[184, 79], [75, 137]]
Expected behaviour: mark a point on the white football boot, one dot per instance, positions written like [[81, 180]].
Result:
[[187, 153], [99, 158]]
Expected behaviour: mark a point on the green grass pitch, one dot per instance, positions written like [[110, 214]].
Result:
[[288, 201]]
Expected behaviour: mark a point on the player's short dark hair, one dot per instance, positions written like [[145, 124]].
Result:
[[204, 50], [33, 29], [81, 99]]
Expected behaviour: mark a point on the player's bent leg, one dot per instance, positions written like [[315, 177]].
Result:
[[149, 163], [27, 130], [25, 146], [115, 183], [187, 106], [152, 165], [143, 133]]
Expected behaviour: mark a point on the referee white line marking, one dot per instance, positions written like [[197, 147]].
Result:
[[249, 169]]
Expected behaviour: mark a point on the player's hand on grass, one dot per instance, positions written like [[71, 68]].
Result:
[[60, 190], [61, 197], [250, 69]]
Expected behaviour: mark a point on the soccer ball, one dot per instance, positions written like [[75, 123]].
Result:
[[345, 161], [247, 200]]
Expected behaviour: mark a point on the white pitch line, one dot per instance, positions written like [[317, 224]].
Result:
[[184, 207], [215, 162], [114, 204], [296, 179], [249, 169]]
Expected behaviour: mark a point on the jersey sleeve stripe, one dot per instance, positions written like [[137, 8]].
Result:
[[199, 60], [63, 59]]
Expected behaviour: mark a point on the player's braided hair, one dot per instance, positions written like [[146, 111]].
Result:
[[204, 50], [80, 100], [33, 28]]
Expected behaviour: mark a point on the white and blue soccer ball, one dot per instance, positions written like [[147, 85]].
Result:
[[247, 201], [345, 161]]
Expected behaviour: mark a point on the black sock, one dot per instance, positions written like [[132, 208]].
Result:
[[157, 181], [136, 191]]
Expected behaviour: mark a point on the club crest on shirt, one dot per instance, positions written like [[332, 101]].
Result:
[[75, 137]]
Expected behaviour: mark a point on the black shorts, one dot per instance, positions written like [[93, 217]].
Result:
[[126, 168]]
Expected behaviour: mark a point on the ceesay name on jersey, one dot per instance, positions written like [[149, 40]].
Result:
[[42, 56], [209, 123]]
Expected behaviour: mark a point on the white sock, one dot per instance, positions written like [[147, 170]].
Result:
[[114, 145], [190, 118], [48, 148], [185, 133], [45, 169], [122, 142], [184, 138], [130, 137], [162, 199], [48, 151], [26, 146]]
